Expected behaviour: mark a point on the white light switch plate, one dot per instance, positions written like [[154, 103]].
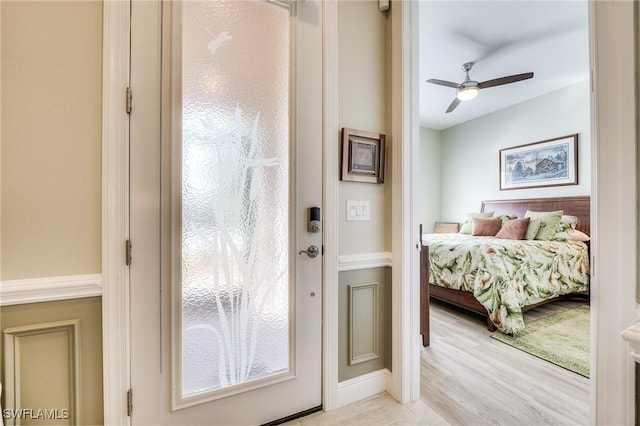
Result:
[[358, 211]]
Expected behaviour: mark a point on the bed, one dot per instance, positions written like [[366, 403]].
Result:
[[504, 278]]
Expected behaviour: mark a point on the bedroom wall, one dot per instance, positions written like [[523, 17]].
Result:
[[430, 170], [470, 160], [363, 104]]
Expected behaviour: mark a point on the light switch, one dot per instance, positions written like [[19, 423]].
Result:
[[358, 211], [351, 210], [365, 211]]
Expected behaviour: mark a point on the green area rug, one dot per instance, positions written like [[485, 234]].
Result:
[[562, 339]]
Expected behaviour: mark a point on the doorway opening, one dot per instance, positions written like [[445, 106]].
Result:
[[463, 144]]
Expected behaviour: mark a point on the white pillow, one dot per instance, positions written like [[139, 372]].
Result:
[[579, 236]]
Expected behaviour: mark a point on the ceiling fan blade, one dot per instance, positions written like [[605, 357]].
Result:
[[453, 105], [443, 83], [505, 80]]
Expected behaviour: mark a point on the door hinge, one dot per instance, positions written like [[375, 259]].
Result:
[[128, 253], [129, 99], [129, 402]]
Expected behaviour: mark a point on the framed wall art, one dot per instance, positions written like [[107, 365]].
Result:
[[362, 156], [552, 162]]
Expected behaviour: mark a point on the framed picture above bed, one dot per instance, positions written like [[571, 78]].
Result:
[[362, 156], [552, 162]]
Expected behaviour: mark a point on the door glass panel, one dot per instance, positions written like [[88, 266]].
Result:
[[234, 183]]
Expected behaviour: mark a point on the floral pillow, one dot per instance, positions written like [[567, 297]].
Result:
[[507, 217], [565, 228]]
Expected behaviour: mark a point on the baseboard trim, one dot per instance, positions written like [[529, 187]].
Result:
[[363, 387], [354, 262], [48, 289]]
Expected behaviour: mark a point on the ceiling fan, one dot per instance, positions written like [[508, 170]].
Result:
[[469, 89]]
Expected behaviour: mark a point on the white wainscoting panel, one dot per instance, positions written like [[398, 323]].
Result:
[[42, 370], [363, 322], [362, 387], [47, 289], [354, 262]]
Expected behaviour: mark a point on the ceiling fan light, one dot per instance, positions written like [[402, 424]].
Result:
[[467, 93]]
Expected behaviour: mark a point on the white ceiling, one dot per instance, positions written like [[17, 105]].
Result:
[[548, 38]]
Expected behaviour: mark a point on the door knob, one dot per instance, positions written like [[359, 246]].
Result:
[[312, 251]]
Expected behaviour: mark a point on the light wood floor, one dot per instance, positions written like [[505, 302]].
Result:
[[471, 379], [381, 409]]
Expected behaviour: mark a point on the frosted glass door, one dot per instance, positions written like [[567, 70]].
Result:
[[233, 229], [226, 157]]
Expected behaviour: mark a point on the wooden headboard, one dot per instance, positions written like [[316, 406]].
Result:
[[574, 206]]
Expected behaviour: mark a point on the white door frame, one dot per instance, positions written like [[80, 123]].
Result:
[[115, 211], [405, 234], [613, 209], [330, 172]]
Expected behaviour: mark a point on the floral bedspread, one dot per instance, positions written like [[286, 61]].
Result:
[[505, 275]]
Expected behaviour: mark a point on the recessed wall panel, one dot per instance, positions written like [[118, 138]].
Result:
[[42, 369]]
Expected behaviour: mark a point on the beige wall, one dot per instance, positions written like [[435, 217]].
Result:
[[362, 105], [51, 83], [50, 189]]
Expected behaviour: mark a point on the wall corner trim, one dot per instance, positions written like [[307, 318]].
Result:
[[47, 289], [352, 262], [362, 387]]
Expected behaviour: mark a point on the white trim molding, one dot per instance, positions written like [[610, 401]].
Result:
[[405, 335], [613, 210], [353, 262], [330, 203], [115, 207], [362, 387], [48, 289]]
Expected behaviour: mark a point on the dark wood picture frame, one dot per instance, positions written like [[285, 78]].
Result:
[[362, 156], [551, 162]]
